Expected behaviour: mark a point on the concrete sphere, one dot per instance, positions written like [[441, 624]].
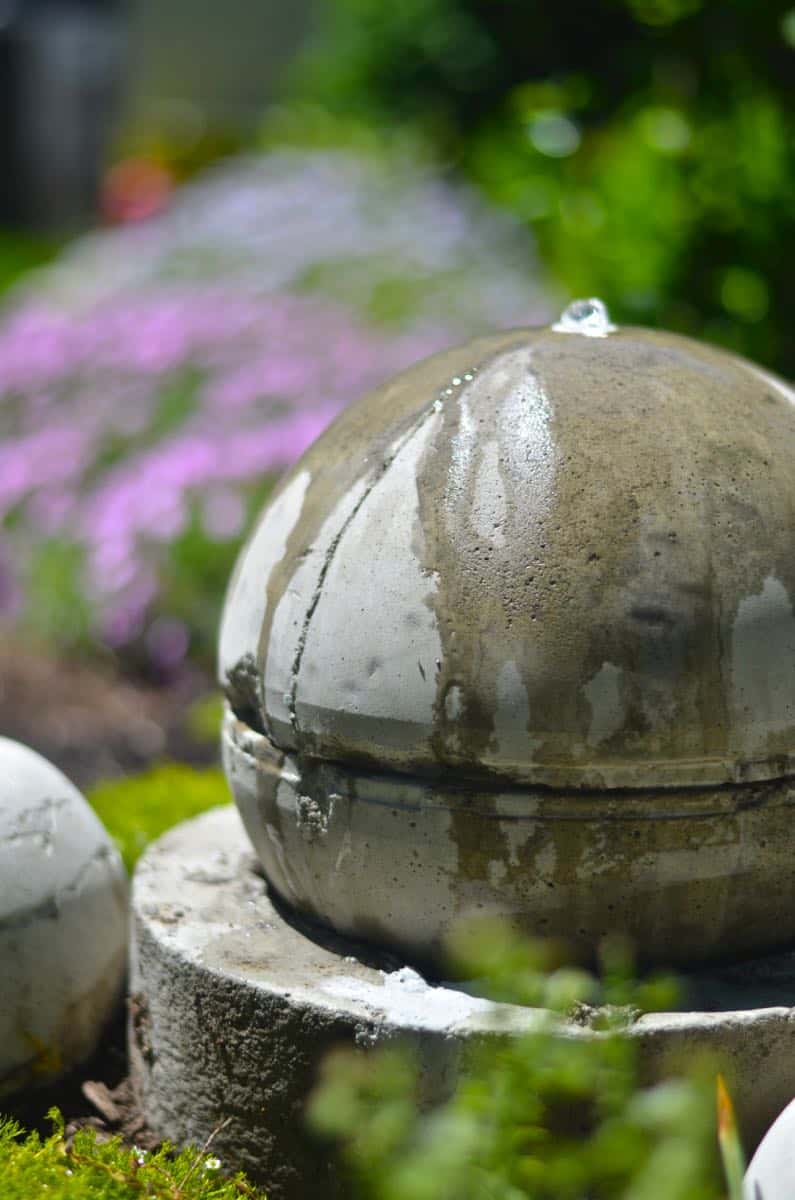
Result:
[[771, 1174], [517, 635], [63, 921]]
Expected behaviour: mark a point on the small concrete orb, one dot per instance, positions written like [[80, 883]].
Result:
[[63, 922], [771, 1174], [517, 636]]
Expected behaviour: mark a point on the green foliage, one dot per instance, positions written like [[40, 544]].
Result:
[[548, 1115], [194, 578], [647, 143], [204, 717], [87, 1169], [21, 252], [57, 608], [195, 574], [138, 809]]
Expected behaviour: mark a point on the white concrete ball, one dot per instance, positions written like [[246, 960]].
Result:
[[63, 921], [771, 1174]]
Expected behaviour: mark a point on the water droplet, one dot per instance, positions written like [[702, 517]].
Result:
[[456, 382], [589, 318]]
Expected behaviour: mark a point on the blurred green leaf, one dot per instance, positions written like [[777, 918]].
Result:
[[644, 184], [552, 1114]]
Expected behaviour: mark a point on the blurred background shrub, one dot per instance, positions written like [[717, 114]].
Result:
[[648, 144]]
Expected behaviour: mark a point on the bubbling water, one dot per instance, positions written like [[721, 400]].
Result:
[[589, 318]]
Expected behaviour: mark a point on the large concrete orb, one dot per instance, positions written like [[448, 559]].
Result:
[[516, 635]]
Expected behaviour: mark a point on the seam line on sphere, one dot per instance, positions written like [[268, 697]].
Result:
[[50, 908], [46, 910], [46, 810], [103, 853], [329, 558]]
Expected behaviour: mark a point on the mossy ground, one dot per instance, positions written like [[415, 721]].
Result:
[[87, 1168], [139, 809]]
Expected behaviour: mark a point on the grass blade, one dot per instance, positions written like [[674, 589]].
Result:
[[731, 1150]]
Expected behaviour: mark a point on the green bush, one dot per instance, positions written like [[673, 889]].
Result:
[[21, 252], [85, 1168], [647, 143], [542, 1116]]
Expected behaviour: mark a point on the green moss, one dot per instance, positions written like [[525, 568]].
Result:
[[204, 718], [87, 1169], [138, 809]]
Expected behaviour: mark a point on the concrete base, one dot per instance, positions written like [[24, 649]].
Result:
[[234, 1005]]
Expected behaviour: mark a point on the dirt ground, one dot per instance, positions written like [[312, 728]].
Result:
[[93, 723], [95, 1094]]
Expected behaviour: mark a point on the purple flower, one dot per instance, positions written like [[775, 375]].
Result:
[[158, 373]]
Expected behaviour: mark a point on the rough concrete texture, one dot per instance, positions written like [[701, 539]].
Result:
[[234, 1007], [564, 560], [399, 860], [63, 921], [550, 559]]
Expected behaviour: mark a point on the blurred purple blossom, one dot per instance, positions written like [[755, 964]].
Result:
[[160, 371]]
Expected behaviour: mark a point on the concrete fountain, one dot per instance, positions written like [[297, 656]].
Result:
[[515, 637]]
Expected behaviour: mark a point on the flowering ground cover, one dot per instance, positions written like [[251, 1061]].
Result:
[[155, 380]]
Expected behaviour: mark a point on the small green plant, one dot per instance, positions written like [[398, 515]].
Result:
[[553, 1114], [86, 1168], [731, 1150], [138, 809]]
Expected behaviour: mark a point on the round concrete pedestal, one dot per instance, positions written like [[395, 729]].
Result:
[[234, 1005]]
